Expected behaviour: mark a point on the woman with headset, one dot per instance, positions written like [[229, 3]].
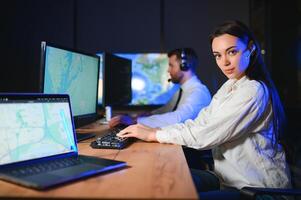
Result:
[[242, 124]]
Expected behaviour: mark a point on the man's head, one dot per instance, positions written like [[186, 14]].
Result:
[[182, 64]]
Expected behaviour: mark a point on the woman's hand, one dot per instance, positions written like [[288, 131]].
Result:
[[140, 131]]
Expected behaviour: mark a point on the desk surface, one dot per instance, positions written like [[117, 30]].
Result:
[[154, 171]]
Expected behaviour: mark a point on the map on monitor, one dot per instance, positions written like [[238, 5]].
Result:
[[72, 73], [150, 84]]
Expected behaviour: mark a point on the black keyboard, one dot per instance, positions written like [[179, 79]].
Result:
[[111, 141], [46, 166]]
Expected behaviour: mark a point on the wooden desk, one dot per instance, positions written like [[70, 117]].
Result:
[[155, 171]]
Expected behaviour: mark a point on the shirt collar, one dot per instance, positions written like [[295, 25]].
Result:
[[233, 84], [189, 82]]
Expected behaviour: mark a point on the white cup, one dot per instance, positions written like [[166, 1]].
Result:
[[108, 113]]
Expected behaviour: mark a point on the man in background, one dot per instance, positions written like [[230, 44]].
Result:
[[185, 104]]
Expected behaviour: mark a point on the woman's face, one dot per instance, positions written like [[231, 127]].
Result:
[[232, 55]]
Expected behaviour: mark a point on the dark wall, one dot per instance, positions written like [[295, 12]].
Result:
[[285, 58], [108, 25], [115, 25], [24, 24], [285, 39], [277, 26]]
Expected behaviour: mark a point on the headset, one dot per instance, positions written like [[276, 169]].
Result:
[[251, 51], [185, 64]]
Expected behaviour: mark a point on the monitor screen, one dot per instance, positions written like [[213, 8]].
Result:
[[66, 71], [150, 84], [116, 80]]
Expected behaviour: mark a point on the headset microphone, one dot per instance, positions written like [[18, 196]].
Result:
[[250, 52]]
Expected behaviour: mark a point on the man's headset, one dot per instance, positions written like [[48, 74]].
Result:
[[185, 63]]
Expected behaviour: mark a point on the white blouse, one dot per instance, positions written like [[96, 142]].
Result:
[[238, 127]]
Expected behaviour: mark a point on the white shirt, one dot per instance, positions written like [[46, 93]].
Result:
[[237, 126], [195, 96]]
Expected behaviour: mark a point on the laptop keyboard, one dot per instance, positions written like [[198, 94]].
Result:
[[111, 141], [47, 166]]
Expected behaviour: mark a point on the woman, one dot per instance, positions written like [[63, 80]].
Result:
[[243, 122]]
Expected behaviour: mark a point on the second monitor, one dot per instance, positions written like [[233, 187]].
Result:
[[150, 86], [114, 80]]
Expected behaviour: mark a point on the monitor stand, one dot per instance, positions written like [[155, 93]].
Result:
[[84, 136], [103, 121]]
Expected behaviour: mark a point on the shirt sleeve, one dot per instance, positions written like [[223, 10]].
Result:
[[222, 121], [191, 103], [164, 109]]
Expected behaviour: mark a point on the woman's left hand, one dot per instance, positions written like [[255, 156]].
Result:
[[139, 131]]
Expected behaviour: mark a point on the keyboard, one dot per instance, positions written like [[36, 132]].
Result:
[[111, 141], [43, 167]]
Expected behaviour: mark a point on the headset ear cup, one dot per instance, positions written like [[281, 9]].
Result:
[[184, 65]]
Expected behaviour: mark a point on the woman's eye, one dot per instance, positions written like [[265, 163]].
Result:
[[232, 52], [217, 56]]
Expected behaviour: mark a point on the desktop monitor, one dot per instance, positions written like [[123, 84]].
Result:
[[116, 80], [66, 71], [150, 86]]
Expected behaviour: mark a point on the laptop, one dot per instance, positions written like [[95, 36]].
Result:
[[38, 142]]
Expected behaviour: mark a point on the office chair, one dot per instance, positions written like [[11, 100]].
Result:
[[250, 193]]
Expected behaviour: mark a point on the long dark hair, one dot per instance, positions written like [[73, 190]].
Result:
[[257, 71]]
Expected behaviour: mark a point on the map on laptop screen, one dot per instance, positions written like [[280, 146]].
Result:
[[26, 135]]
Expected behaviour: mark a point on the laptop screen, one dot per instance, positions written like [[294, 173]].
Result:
[[35, 126]]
